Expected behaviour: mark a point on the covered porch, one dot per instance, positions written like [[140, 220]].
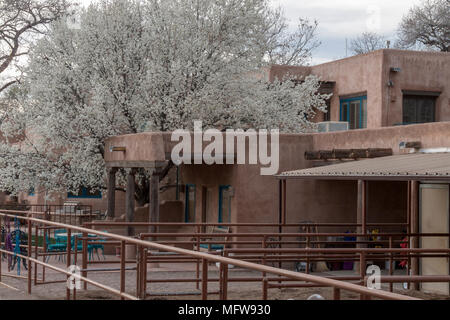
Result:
[[426, 177]]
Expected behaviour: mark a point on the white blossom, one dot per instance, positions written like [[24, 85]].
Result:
[[136, 66]]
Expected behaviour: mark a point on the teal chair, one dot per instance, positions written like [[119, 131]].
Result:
[[59, 244], [97, 246]]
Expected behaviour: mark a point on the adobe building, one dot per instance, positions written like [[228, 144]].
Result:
[[382, 88], [377, 94]]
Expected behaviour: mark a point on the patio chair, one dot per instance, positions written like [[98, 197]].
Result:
[[96, 247], [60, 244], [214, 246]]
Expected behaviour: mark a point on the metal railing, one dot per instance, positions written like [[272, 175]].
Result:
[[143, 248], [71, 214], [281, 254]]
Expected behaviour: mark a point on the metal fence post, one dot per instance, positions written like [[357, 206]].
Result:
[[265, 288], [69, 255], [30, 248], [122, 268], [204, 279]]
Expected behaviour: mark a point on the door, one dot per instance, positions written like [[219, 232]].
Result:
[[434, 218], [207, 206]]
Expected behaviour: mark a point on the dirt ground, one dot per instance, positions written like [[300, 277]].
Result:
[[13, 288]]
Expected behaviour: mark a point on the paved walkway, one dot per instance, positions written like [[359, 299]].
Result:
[[14, 288]]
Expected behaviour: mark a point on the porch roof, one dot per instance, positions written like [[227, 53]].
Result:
[[416, 166]]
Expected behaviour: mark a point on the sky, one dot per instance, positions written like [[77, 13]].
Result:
[[346, 19], [343, 19]]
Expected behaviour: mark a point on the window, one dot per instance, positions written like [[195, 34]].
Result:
[[419, 109], [225, 194], [354, 111], [189, 204], [85, 193], [31, 192]]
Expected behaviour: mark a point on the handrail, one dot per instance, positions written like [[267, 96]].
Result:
[[243, 224], [227, 261], [94, 283]]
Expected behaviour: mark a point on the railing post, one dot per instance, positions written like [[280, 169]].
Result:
[[138, 271], [1, 254], [30, 248], [265, 288], [336, 293], [308, 244], [122, 268], [44, 257], [221, 282], [197, 284], [36, 254], [69, 255], [85, 258], [147, 252], [225, 278], [362, 272], [204, 279], [143, 272], [264, 244], [391, 271]]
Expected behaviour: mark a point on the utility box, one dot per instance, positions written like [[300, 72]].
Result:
[[333, 126]]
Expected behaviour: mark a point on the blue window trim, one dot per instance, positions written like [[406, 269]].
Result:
[[342, 101], [189, 187], [84, 195], [221, 189], [31, 192]]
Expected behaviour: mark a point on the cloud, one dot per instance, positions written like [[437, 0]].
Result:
[[345, 19]]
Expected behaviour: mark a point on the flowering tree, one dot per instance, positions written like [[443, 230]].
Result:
[[19, 19], [136, 66]]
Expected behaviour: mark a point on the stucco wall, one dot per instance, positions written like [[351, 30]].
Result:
[[370, 73], [358, 75], [420, 71]]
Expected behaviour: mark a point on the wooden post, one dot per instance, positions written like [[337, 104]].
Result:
[[111, 193], [415, 228], [129, 200], [361, 214], [154, 200], [362, 205]]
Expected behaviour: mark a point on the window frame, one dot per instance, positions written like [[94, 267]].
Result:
[[348, 100], [419, 95]]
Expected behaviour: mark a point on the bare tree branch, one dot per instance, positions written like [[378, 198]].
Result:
[[427, 25], [367, 42], [18, 18]]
